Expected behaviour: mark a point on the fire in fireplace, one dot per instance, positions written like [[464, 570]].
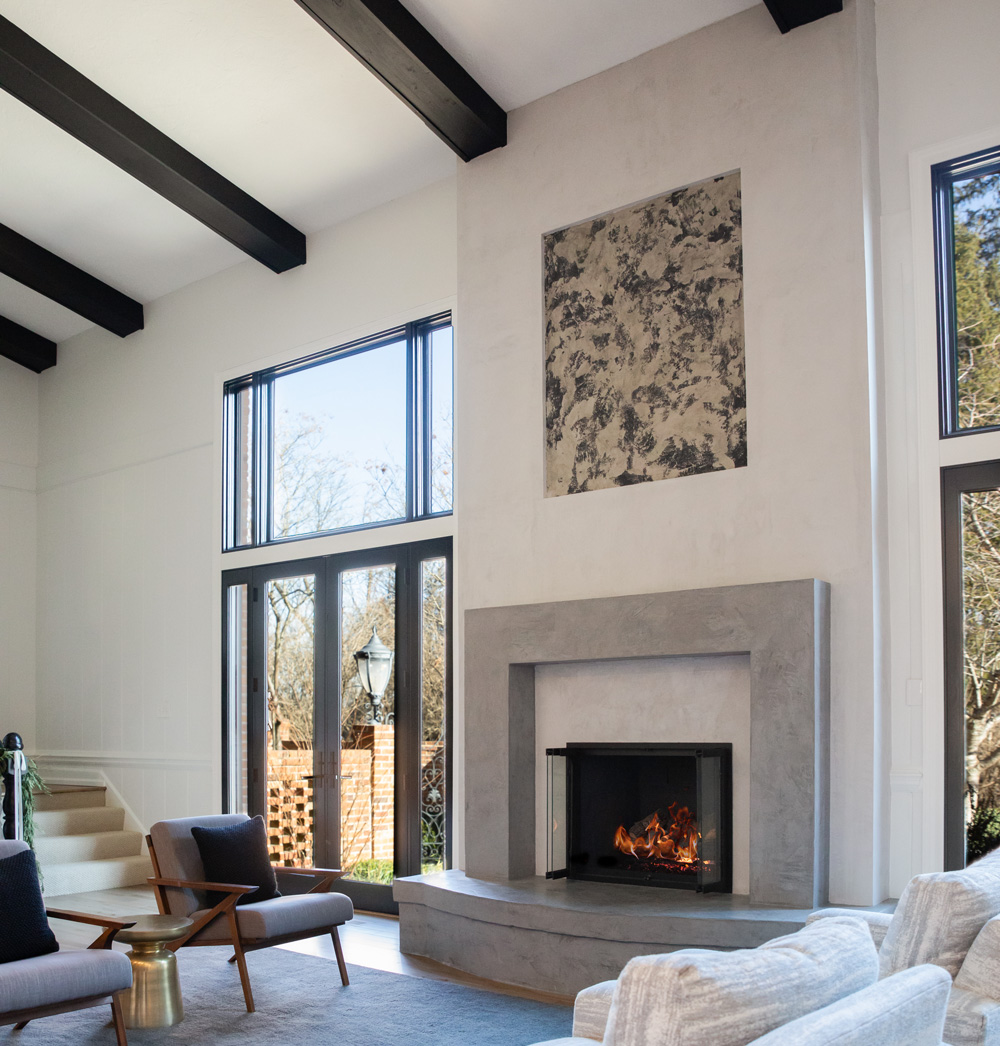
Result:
[[653, 814]]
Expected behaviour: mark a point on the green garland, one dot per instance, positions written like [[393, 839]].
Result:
[[31, 783]]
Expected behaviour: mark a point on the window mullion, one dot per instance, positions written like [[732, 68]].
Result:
[[412, 416]]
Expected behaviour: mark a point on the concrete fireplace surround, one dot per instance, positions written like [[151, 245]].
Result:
[[497, 918]]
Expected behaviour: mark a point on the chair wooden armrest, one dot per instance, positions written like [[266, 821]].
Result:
[[111, 926], [325, 877], [186, 884], [336, 873]]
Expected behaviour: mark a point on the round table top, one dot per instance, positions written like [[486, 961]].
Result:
[[151, 928]]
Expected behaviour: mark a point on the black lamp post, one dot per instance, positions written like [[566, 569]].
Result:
[[374, 662]]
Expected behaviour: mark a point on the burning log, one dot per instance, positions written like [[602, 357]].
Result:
[[648, 840]]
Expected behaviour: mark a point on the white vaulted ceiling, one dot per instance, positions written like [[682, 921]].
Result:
[[263, 94]]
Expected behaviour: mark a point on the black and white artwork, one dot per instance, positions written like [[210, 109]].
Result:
[[644, 369]]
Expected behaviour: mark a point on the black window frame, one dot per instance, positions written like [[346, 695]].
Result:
[[943, 177], [260, 387]]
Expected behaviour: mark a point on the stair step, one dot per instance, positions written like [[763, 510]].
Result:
[[70, 797], [86, 876], [84, 820], [95, 846]]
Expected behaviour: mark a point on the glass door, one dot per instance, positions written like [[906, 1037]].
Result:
[[368, 853], [348, 766]]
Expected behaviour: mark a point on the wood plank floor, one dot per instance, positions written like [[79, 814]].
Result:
[[368, 940]]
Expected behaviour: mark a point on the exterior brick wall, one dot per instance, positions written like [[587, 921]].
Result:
[[290, 806], [367, 798]]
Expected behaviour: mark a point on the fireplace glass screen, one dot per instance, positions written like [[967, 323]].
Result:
[[652, 814]]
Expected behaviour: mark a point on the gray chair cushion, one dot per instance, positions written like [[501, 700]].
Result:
[[282, 915], [62, 977], [178, 857], [9, 847], [904, 1010]]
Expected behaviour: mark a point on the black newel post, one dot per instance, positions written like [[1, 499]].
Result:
[[12, 743]]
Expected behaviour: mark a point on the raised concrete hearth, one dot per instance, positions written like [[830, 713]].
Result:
[[499, 906]]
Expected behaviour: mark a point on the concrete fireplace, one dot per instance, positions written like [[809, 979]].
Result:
[[498, 917]]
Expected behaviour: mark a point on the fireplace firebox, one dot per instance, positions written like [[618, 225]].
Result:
[[649, 814]]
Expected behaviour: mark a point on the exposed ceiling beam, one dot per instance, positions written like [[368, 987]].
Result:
[[790, 14], [386, 38], [26, 347], [58, 92], [25, 261]]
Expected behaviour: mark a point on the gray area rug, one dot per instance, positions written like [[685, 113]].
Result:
[[300, 1000]]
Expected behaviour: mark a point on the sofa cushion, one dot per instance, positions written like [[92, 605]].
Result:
[[573, 1041], [972, 1019], [878, 922], [24, 927], [237, 854], [695, 997], [938, 917], [904, 1010], [980, 972], [49, 979]]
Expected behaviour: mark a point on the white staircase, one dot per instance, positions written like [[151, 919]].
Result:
[[82, 844]]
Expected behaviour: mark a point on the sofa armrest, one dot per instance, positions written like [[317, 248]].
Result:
[[906, 1009], [972, 1018], [591, 1009], [878, 922]]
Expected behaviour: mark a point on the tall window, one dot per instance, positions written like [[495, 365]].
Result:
[[967, 234], [357, 436], [967, 261]]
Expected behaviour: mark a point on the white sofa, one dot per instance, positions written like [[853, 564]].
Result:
[[817, 987], [952, 920]]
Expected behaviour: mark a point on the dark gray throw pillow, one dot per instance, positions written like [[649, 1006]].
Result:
[[237, 853], [24, 928]]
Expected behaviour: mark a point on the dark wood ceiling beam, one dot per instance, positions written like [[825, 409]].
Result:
[[25, 261], [53, 88], [790, 14], [386, 38], [26, 347]]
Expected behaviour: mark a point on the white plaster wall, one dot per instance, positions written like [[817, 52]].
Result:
[[18, 459], [938, 100], [129, 495], [674, 700], [787, 112]]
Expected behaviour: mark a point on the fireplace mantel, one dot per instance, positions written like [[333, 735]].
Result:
[[783, 626]]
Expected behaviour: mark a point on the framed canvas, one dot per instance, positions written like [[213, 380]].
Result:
[[644, 353]]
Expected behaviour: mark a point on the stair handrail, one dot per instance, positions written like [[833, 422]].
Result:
[[14, 767]]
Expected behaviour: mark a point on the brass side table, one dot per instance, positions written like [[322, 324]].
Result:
[[154, 1000]]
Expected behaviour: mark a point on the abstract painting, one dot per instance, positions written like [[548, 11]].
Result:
[[644, 368]]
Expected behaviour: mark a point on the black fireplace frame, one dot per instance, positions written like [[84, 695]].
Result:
[[723, 752]]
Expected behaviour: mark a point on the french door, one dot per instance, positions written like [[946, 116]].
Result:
[[342, 778]]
